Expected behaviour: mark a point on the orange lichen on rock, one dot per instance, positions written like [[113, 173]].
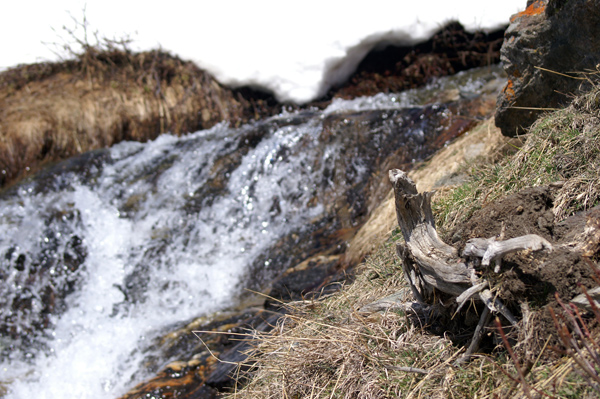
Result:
[[509, 91], [536, 8]]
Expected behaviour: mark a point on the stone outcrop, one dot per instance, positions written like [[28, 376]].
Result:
[[547, 50]]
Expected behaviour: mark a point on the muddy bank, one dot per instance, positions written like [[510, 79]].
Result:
[[534, 276]]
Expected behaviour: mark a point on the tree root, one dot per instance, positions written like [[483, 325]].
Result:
[[434, 269]]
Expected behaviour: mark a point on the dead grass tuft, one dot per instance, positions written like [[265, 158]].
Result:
[[326, 349]]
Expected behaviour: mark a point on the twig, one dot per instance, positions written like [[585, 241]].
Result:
[[495, 305], [462, 298], [212, 354], [514, 358], [477, 336], [558, 73], [408, 369]]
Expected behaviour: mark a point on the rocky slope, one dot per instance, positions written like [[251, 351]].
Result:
[[548, 50]]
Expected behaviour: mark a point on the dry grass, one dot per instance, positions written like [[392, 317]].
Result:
[[325, 346], [562, 148], [326, 349], [107, 94]]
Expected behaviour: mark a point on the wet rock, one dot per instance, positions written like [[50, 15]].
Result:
[[213, 354], [546, 49], [47, 277], [310, 279], [373, 141]]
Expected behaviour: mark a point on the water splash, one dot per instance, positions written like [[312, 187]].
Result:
[[157, 247]]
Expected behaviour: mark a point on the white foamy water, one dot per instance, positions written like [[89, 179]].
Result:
[[150, 261], [298, 51]]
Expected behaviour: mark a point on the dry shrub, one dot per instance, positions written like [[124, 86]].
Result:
[[579, 342], [564, 364]]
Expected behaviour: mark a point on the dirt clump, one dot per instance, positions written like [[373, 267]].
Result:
[[527, 212], [534, 277]]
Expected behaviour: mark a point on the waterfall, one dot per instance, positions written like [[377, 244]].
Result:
[[101, 254]]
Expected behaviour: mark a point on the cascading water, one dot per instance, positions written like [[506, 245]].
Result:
[[98, 255]]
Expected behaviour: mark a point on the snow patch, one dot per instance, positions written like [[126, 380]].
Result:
[[295, 51]]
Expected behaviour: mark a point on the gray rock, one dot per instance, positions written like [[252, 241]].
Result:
[[543, 44]]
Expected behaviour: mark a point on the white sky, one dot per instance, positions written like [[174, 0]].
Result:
[[284, 46]]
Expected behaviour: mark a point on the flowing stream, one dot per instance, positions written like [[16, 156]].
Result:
[[100, 254]]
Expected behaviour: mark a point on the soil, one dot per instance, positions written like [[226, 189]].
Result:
[[540, 279], [535, 277]]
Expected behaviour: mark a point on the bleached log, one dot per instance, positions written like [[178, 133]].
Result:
[[430, 264], [409, 273], [476, 247]]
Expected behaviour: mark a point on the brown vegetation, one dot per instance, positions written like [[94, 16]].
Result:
[[51, 111]]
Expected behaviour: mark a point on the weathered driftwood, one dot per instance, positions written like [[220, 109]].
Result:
[[436, 264], [488, 249], [430, 265]]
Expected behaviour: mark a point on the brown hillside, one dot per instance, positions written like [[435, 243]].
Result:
[[51, 111]]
